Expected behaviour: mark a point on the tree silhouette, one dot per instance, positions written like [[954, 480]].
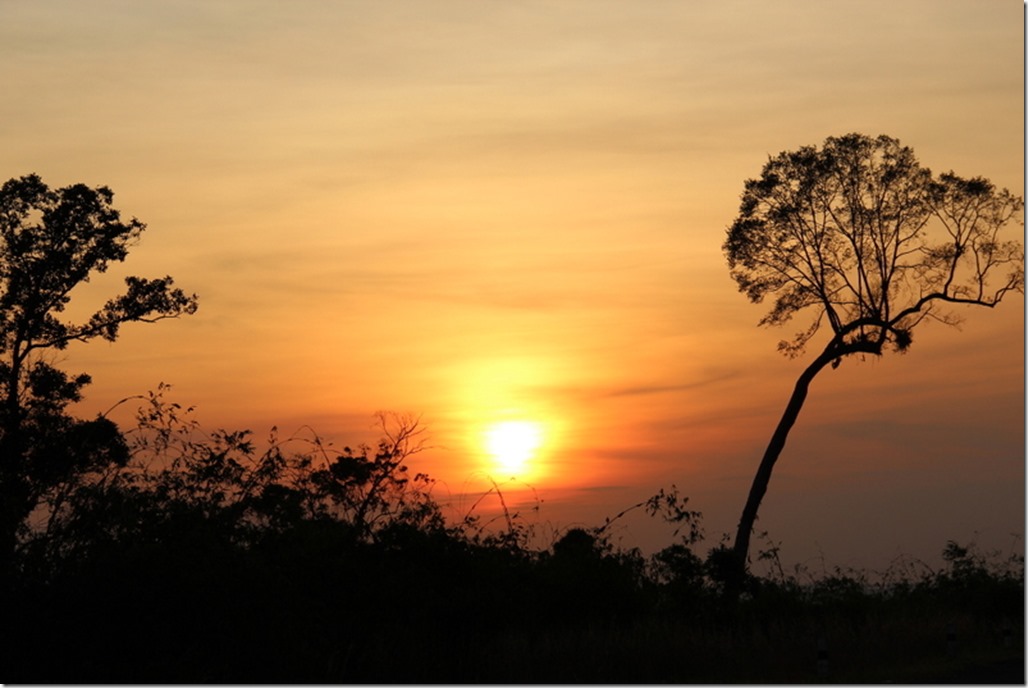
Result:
[[867, 242], [52, 240]]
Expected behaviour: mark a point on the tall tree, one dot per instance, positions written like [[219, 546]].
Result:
[[868, 244], [52, 240]]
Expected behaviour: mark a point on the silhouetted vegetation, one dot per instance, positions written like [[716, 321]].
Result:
[[201, 558], [164, 553], [50, 242], [869, 244]]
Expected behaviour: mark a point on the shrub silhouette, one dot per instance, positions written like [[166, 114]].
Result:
[[207, 559]]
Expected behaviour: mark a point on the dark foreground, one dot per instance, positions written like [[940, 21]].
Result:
[[198, 559], [435, 610]]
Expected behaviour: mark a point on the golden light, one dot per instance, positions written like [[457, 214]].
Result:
[[513, 445]]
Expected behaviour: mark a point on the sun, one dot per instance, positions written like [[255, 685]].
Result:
[[513, 444]]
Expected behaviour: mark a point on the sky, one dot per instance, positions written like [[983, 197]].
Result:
[[486, 212]]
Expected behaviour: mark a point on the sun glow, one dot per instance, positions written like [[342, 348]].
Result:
[[513, 444]]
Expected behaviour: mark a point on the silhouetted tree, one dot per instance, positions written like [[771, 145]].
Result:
[[870, 244], [52, 240]]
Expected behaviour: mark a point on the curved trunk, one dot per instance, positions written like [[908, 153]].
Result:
[[774, 449]]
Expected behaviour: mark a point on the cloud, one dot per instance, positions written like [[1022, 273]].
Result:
[[645, 390]]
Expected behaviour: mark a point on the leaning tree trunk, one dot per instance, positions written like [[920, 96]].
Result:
[[741, 547]]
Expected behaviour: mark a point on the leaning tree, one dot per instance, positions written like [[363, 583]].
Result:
[[52, 240], [866, 243]]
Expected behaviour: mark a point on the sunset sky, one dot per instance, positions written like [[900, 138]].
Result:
[[513, 211]]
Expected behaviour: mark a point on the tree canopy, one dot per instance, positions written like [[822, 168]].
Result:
[[863, 238]]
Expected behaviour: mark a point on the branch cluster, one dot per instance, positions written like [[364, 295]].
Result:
[[52, 240], [867, 240]]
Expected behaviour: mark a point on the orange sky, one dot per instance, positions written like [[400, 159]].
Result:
[[486, 211]]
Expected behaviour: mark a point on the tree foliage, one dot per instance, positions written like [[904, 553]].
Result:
[[870, 243], [179, 478], [51, 241]]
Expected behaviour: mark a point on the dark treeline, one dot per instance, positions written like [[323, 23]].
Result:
[[197, 557]]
